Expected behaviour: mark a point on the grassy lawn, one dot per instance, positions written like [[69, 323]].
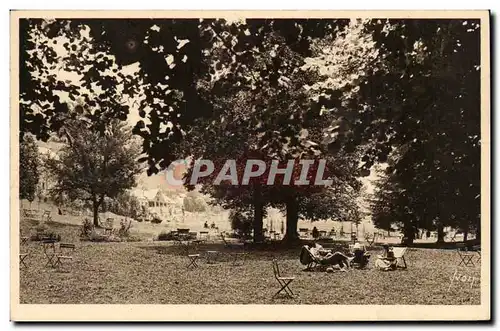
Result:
[[155, 273]]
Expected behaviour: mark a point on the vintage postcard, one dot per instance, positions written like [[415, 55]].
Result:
[[250, 166]]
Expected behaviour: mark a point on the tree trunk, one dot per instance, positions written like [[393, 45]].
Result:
[[478, 232], [292, 219], [440, 233], [95, 206], [258, 216], [409, 234], [466, 234]]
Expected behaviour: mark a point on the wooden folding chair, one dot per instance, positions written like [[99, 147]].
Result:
[[192, 260], [64, 257], [466, 257], [239, 258], [22, 260], [283, 281], [204, 236], [211, 256], [24, 240], [49, 249], [231, 245]]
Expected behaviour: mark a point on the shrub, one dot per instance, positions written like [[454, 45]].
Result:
[[124, 230], [241, 222], [87, 228]]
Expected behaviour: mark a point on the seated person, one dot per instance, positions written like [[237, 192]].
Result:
[[328, 257], [360, 256], [386, 261]]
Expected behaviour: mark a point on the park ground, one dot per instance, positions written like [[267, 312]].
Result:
[[151, 272]]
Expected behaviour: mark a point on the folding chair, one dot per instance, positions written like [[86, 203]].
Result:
[[204, 236], [242, 256], [211, 256], [22, 258], [47, 244], [283, 281], [466, 258], [192, 260], [24, 240], [230, 245], [399, 255], [61, 257]]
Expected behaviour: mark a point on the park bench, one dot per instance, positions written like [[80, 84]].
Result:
[[282, 280], [31, 214], [183, 233]]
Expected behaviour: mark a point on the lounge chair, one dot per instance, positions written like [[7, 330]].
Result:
[[311, 261], [308, 259], [399, 255]]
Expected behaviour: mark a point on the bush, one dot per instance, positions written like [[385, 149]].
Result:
[[124, 230], [87, 228], [241, 223]]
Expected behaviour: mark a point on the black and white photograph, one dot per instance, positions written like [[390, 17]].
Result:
[[256, 160]]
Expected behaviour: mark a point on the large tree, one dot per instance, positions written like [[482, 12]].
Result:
[[29, 168], [92, 166]]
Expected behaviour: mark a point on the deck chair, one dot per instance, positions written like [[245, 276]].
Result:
[[308, 259], [283, 281], [466, 257], [399, 255]]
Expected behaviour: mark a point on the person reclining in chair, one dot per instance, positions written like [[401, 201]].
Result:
[[386, 261], [328, 257]]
